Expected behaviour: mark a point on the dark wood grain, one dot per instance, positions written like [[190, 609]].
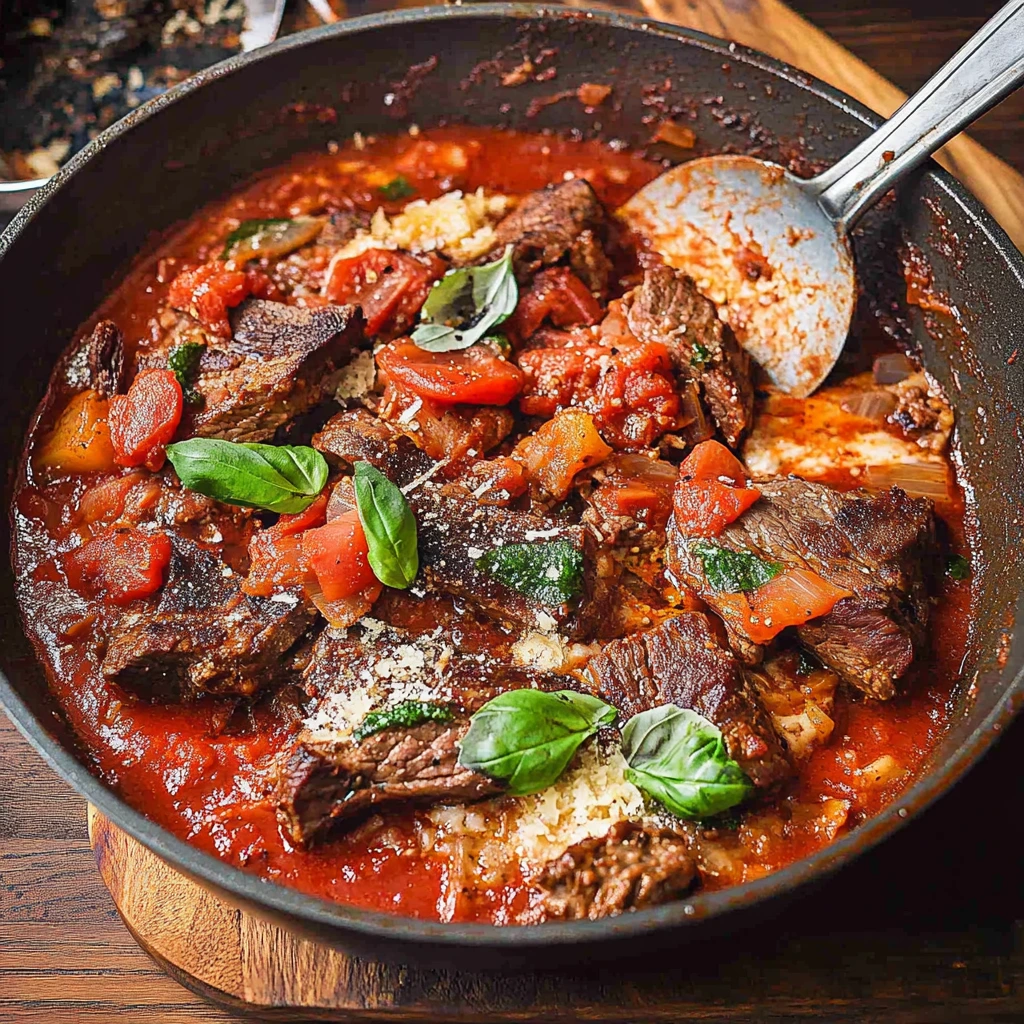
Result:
[[922, 929]]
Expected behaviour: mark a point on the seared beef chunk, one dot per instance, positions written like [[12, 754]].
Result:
[[680, 662], [880, 547], [666, 307], [455, 530], [629, 868], [358, 436], [280, 362], [104, 354], [558, 221], [201, 634], [327, 777]]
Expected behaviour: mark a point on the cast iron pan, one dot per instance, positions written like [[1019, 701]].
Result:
[[71, 244]]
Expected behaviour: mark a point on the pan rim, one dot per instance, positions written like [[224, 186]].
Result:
[[279, 899]]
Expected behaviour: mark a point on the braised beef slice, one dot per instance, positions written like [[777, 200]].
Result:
[[667, 308], [629, 868], [680, 662], [559, 221], [280, 362], [454, 530], [201, 634], [104, 355], [326, 778], [356, 435], [880, 547]]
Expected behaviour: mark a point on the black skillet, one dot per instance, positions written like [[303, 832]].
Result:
[[72, 243]]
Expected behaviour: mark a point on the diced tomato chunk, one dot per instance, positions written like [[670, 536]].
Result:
[[276, 558], [390, 287], [561, 448], [794, 597], [119, 497], [119, 565], [143, 421], [558, 295], [339, 555], [712, 491], [208, 291], [474, 375]]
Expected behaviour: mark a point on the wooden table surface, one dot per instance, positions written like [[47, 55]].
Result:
[[944, 895]]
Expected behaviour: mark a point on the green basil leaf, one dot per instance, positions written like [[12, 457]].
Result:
[[408, 714], [183, 361], [678, 758], [550, 572], [699, 355], [526, 738], [272, 238], [729, 572], [389, 525], [279, 478], [466, 304], [958, 567], [397, 188]]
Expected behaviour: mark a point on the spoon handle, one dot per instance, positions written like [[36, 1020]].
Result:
[[987, 68]]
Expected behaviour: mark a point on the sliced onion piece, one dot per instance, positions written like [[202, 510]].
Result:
[[892, 368], [918, 479], [873, 404], [342, 499], [346, 611], [255, 239]]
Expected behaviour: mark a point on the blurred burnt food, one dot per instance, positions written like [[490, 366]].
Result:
[[67, 71]]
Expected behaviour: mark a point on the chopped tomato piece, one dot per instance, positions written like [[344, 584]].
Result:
[[120, 565], [561, 448], [712, 491], [473, 375], [276, 558], [389, 286], [630, 390], [558, 295], [794, 597], [135, 491], [80, 439], [208, 291], [145, 419], [637, 488], [338, 554], [496, 481]]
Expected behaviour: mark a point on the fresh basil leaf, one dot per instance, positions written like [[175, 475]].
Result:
[[397, 188], [526, 738], [272, 238], [279, 478], [699, 355], [408, 714], [183, 361], [729, 572], [550, 572], [389, 525], [466, 304], [958, 567], [678, 758]]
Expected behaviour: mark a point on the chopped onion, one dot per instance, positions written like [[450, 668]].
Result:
[[892, 368], [692, 414], [342, 499], [918, 479], [344, 612], [870, 405], [640, 467]]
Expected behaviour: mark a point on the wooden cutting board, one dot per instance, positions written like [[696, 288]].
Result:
[[243, 962]]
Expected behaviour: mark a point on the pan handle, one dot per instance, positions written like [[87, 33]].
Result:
[[986, 69]]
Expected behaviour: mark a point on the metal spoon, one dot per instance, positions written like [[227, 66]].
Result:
[[772, 249]]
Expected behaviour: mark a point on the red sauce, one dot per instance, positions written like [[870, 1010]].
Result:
[[200, 774]]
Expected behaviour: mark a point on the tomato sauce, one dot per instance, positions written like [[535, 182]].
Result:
[[203, 770]]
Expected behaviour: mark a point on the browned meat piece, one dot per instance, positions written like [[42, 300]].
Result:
[[358, 436], [343, 226], [590, 264], [680, 662], [327, 778], [921, 412], [881, 547], [317, 787], [280, 362], [666, 307], [201, 634], [455, 530], [104, 354], [549, 225], [630, 868]]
